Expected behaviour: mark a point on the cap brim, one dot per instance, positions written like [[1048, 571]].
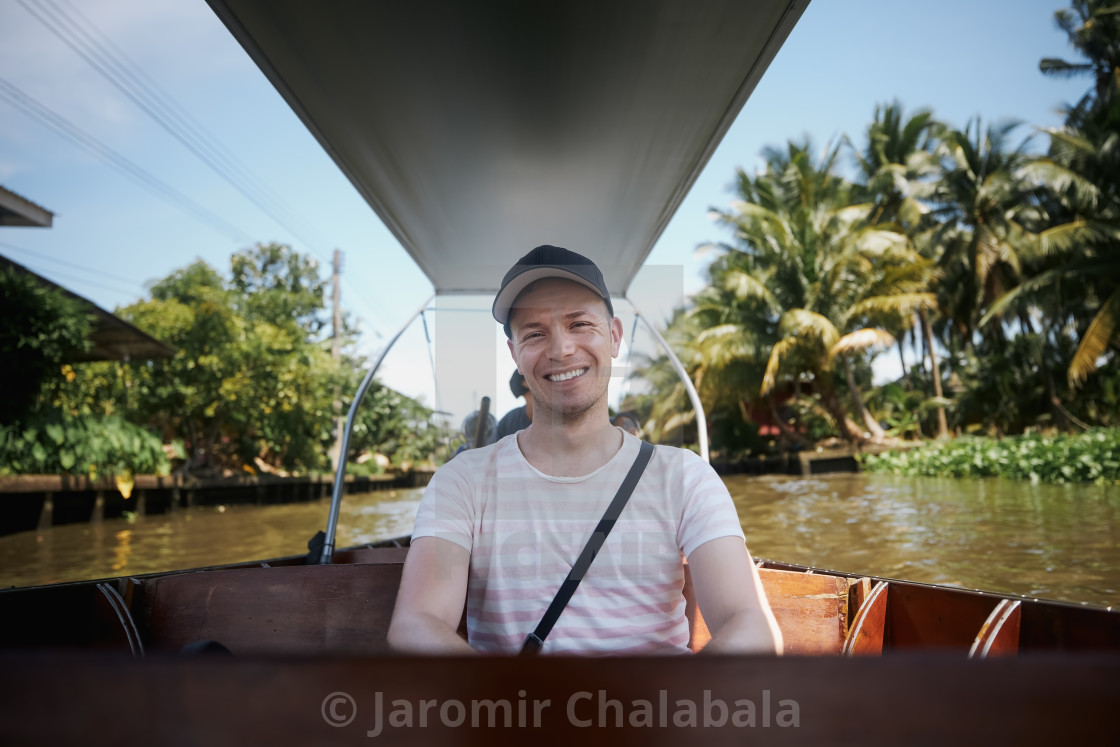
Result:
[[503, 302]]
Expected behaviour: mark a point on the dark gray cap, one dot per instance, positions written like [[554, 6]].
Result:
[[548, 262]]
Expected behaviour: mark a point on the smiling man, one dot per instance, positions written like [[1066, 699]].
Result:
[[500, 528]]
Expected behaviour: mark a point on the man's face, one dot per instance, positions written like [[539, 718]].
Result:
[[562, 342]]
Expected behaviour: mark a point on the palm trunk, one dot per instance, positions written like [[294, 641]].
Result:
[[942, 423], [873, 427], [788, 433], [848, 428], [902, 360]]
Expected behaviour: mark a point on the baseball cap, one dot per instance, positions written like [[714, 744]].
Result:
[[547, 262]]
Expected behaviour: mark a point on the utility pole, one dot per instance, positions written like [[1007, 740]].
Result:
[[336, 354]]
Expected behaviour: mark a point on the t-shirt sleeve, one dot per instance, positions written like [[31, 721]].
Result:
[[446, 508], [708, 511]]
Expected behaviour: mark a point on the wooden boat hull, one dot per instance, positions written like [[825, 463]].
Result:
[[902, 663], [912, 699]]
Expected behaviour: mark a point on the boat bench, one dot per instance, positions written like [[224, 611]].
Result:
[[339, 609]]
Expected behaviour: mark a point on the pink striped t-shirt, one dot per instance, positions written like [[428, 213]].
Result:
[[524, 530]]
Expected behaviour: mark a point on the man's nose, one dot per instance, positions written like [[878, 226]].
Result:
[[562, 343]]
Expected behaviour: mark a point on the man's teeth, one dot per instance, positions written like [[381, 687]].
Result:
[[568, 375]]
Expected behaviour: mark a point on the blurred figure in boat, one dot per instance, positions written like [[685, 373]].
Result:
[[518, 418], [500, 527], [628, 422], [469, 431]]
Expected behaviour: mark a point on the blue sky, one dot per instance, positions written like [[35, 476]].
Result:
[[962, 58]]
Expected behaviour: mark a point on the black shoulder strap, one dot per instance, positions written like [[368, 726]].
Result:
[[535, 640]]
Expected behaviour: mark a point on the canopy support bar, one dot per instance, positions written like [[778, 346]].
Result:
[[701, 420], [340, 474]]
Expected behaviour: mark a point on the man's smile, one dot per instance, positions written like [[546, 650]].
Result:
[[565, 376]]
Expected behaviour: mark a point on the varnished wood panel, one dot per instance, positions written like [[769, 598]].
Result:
[[907, 699], [866, 636], [342, 609], [999, 636]]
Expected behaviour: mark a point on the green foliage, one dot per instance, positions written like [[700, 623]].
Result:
[[55, 443], [397, 426], [1093, 456], [252, 378], [1007, 260], [42, 326]]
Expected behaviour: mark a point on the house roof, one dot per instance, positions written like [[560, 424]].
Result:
[[111, 338], [16, 210]]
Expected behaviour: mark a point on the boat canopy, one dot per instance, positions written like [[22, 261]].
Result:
[[478, 130]]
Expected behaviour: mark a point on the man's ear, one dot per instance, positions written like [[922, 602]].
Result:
[[616, 336], [512, 354]]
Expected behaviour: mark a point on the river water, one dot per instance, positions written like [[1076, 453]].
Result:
[[1055, 542]]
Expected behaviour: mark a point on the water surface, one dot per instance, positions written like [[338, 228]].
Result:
[[1050, 541], [1056, 542]]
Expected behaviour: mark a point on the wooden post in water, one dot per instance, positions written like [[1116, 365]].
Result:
[[46, 515], [98, 507]]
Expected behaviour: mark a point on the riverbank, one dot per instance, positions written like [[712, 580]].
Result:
[[1089, 457]]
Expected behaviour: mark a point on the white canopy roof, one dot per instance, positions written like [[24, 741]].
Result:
[[478, 130]]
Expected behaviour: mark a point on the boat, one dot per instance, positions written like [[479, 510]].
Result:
[[474, 130], [282, 651]]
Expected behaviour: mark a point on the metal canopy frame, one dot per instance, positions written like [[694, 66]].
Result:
[[327, 553]]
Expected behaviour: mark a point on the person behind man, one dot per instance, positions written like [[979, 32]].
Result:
[[500, 527], [518, 418], [628, 422]]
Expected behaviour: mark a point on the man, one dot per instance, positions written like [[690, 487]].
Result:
[[500, 527], [518, 418]]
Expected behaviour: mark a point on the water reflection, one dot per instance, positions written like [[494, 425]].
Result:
[[1058, 542], [196, 537]]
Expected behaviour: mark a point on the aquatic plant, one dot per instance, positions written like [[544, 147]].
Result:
[[1093, 456]]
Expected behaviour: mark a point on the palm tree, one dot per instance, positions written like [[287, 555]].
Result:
[[1080, 246], [897, 167], [805, 259], [1082, 250], [1093, 28], [985, 207]]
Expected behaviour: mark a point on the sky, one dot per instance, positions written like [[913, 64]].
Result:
[[112, 236]]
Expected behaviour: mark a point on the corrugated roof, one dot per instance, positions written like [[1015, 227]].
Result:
[[16, 210], [111, 338]]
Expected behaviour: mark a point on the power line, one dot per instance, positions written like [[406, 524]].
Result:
[[52, 273], [42, 257], [108, 60], [64, 127]]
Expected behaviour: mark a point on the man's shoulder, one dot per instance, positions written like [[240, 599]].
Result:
[[471, 461], [687, 458]]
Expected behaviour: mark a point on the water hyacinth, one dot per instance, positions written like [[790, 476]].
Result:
[[1093, 456]]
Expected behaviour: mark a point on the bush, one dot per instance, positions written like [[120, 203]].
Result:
[[88, 445], [1093, 456]]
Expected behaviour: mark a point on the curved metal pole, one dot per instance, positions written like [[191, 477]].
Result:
[[340, 474], [701, 420], [629, 358]]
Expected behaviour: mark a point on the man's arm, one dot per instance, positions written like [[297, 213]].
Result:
[[730, 596], [430, 600]]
